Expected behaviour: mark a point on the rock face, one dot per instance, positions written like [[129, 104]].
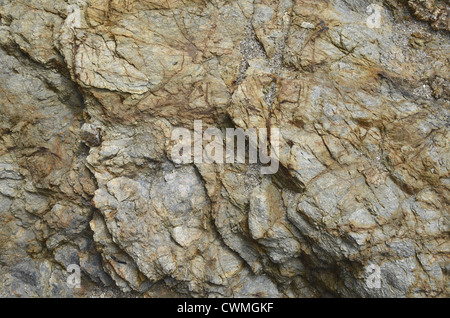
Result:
[[90, 92]]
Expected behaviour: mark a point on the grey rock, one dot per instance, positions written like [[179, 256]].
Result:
[[90, 92]]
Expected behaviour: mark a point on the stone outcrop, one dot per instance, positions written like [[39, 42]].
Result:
[[90, 92]]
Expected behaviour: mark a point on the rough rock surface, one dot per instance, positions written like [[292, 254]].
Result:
[[90, 92]]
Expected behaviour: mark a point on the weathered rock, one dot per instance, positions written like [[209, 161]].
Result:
[[90, 92]]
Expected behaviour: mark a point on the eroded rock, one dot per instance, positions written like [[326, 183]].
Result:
[[90, 92]]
